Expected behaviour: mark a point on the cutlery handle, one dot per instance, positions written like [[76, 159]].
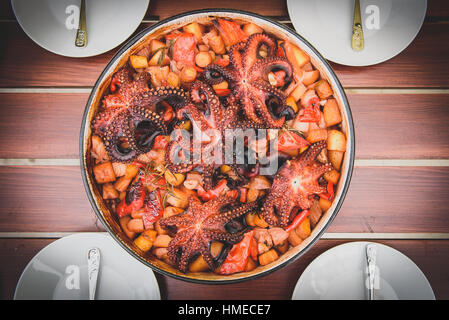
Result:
[[93, 266], [357, 30], [371, 257], [81, 33]]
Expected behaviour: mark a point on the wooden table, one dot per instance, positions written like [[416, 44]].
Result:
[[398, 195]]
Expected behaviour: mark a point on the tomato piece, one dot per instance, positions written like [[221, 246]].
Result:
[[222, 62], [288, 140], [213, 193], [222, 92], [243, 194], [297, 220], [237, 258], [312, 111], [133, 200], [161, 142], [231, 32], [153, 208], [184, 49]]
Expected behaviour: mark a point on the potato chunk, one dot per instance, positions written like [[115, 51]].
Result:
[[331, 113], [104, 173]]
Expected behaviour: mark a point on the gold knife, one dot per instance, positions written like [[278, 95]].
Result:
[[81, 33], [357, 30]]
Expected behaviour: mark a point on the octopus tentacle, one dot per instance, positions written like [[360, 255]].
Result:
[[261, 68], [294, 186], [214, 74], [195, 229], [253, 44]]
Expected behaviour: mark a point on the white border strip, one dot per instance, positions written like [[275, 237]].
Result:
[[325, 236], [357, 162]]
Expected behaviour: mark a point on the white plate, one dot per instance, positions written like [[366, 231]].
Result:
[[389, 26], [52, 24], [59, 272], [340, 274]]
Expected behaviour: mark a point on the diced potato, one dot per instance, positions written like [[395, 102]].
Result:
[[317, 135], [294, 239], [119, 169], [296, 56], [98, 150], [159, 58], [124, 224], [251, 28], [298, 92], [122, 183], [131, 171], [138, 214], [336, 140], [310, 77], [136, 225], [315, 213], [159, 229], [175, 179], [252, 195], [323, 89], [324, 204], [160, 253], [250, 219], [259, 182], [172, 211], [290, 101], [259, 221], [283, 247], [322, 156], [203, 48], [196, 29], [199, 265], [145, 241], [177, 198], [303, 230], [104, 173], [203, 59], [215, 42], [225, 168], [332, 176], [156, 45], [331, 111], [268, 257], [251, 265], [221, 85], [109, 191], [307, 67], [122, 195], [138, 62], [173, 79], [336, 158], [188, 74], [162, 241]]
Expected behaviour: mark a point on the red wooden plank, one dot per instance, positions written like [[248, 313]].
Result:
[[422, 64], [431, 256], [386, 126], [409, 199]]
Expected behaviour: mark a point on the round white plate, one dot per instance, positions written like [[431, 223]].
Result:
[[52, 24], [340, 273], [59, 272], [389, 26]]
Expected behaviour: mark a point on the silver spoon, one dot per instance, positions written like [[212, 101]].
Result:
[[371, 259], [81, 33], [93, 266]]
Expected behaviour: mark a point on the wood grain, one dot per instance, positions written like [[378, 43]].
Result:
[[411, 199], [431, 256], [411, 126], [422, 64]]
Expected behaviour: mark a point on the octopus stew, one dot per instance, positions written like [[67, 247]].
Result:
[[218, 215]]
